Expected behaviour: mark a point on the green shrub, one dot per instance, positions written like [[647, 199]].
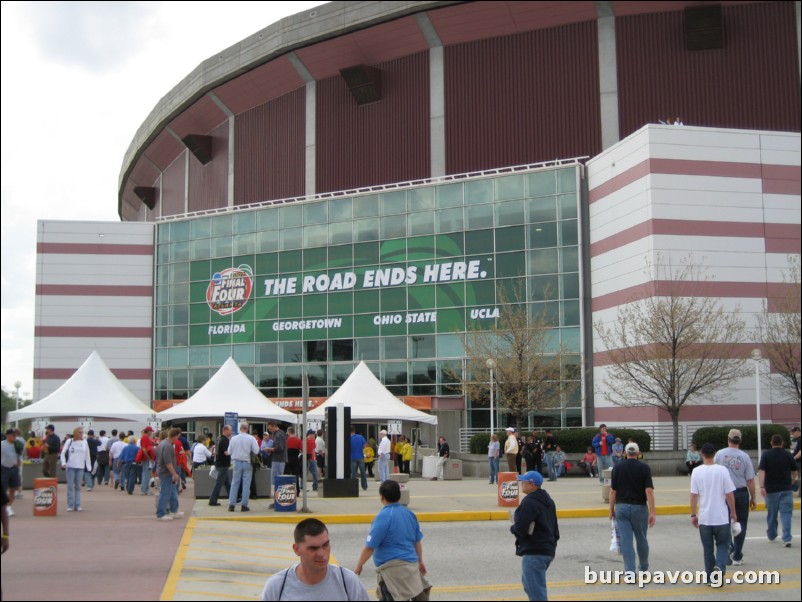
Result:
[[717, 435], [571, 440]]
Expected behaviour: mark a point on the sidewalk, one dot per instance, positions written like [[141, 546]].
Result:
[[116, 547]]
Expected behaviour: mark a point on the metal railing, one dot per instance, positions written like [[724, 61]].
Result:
[[662, 435]]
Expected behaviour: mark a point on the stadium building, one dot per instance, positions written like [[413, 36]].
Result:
[[363, 181]]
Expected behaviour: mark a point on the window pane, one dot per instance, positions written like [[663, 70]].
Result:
[[394, 226], [543, 235], [479, 191], [340, 210], [290, 216], [510, 213], [449, 195], [568, 233], [450, 220], [367, 229], [394, 348], [542, 183], [394, 202], [421, 223], [366, 206], [479, 216], [420, 198], [543, 261], [316, 213], [510, 187], [567, 204], [542, 209]]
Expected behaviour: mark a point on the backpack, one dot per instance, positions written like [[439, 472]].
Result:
[[103, 458]]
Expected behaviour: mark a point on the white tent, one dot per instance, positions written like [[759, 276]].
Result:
[[229, 390], [370, 400], [92, 392]]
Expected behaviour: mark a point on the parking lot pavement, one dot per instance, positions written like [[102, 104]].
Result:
[[116, 545]]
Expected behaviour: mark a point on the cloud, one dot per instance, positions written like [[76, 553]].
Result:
[[94, 36]]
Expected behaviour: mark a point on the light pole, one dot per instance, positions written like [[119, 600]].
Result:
[[491, 365], [756, 355], [17, 385]]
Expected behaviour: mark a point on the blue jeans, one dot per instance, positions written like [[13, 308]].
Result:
[[633, 522], [311, 469], [132, 471], [384, 468], [603, 462], [89, 480], [533, 571], [718, 537], [243, 473], [742, 512], [782, 502], [168, 496], [493, 470], [119, 473], [74, 478], [359, 466], [277, 470], [551, 466], [145, 486], [223, 478]]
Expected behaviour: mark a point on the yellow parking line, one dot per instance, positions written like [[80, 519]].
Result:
[[168, 593]]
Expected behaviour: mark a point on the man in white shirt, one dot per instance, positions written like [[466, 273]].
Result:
[[511, 449], [384, 457], [240, 449], [711, 498]]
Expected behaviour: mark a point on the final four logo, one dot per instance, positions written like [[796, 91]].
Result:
[[230, 290]]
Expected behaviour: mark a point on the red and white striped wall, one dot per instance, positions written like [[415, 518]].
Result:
[[731, 198], [94, 291]]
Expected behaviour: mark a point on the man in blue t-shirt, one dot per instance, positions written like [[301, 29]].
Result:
[[395, 544], [358, 457]]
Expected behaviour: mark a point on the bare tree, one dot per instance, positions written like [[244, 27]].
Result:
[[528, 370], [780, 333], [667, 351]]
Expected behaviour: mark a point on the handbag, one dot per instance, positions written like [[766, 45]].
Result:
[[213, 472], [615, 538]]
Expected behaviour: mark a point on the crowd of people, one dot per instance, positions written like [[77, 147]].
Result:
[[534, 452]]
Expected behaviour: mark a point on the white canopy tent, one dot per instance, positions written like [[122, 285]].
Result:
[[370, 400], [93, 392], [229, 390]]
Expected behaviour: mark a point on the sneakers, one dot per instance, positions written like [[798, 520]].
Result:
[[79, 509], [246, 509], [787, 544], [737, 562], [9, 511], [231, 508], [165, 517], [68, 509], [178, 514]]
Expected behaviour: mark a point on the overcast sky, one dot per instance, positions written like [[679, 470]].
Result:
[[78, 79]]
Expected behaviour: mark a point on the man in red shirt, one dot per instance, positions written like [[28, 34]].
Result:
[[311, 461], [149, 453]]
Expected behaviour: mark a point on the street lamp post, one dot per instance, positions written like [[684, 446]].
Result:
[[756, 356], [17, 385], [491, 365]]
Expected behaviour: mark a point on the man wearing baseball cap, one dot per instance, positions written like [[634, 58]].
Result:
[[632, 506], [511, 449], [536, 534], [742, 473], [712, 497], [148, 456], [50, 448]]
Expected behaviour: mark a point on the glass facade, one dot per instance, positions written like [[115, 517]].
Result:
[[395, 278]]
